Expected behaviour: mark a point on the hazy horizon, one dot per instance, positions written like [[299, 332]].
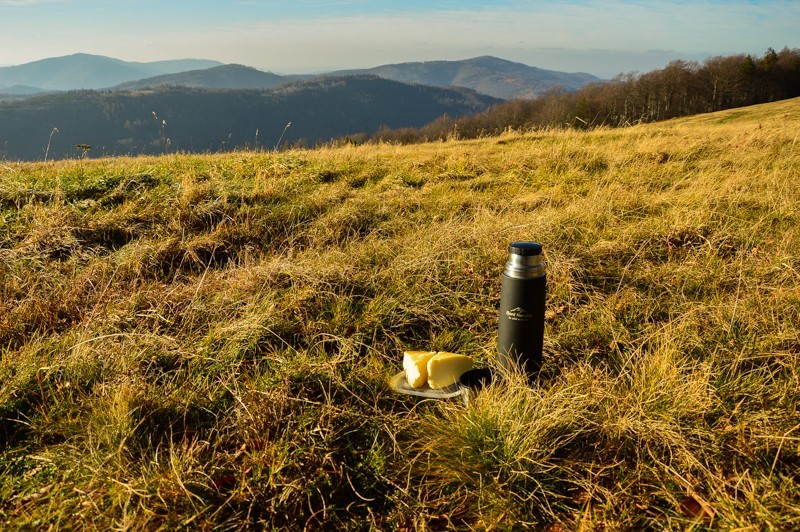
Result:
[[312, 36]]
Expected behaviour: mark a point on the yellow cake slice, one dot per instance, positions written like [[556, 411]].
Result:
[[445, 368], [416, 365]]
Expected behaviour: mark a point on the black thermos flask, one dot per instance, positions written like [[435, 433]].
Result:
[[522, 294]]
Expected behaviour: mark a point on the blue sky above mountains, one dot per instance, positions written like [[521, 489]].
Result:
[[301, 36]]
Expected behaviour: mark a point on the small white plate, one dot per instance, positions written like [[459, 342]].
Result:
[[399, 383]]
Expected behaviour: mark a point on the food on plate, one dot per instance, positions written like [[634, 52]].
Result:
[[445, 368], [415, 363]]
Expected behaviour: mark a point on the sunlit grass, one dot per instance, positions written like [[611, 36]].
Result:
[[204, 341]]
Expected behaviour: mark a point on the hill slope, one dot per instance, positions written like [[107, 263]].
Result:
[[86, 71], [220, 77], [196, 120], [206, 340], [488, 75]]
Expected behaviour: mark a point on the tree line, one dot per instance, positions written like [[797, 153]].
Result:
[[681, 88]]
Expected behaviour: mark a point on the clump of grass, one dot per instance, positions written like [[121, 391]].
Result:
[[580, 447]]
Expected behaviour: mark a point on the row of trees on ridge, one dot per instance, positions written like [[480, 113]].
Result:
[[682, 88]]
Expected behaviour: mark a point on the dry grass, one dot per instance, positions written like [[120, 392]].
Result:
[[204, 341]]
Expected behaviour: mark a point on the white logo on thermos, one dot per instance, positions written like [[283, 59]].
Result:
[[519, 314]]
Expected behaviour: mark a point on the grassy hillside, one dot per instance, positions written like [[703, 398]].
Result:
[[204, 341]]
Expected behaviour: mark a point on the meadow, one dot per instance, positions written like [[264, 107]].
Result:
[[204, 341]]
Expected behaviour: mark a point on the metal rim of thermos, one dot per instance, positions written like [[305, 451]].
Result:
[[525, 260]]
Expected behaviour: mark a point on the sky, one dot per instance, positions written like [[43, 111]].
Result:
[[603, 38]]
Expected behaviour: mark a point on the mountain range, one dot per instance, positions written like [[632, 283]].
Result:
[[86, 71], [123, 108], [488, 75]]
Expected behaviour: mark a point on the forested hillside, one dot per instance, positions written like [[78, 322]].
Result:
[[205, 120], [682, 88]]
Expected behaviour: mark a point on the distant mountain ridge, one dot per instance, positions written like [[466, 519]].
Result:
[[86, 71], [488, 75], [230, 76], [23, 90]]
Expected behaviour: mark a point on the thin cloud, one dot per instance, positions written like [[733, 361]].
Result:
[[16, 3]]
